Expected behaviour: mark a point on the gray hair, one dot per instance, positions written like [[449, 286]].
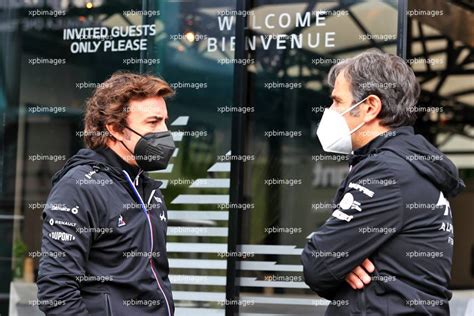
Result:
[[386, 76]]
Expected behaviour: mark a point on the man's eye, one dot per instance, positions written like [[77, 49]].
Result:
[[153, 122]]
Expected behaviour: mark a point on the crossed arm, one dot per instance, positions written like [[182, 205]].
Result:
[[359, 276], [340, 250]]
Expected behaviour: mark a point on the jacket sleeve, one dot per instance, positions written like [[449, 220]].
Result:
[[65, 248], [369, 213]]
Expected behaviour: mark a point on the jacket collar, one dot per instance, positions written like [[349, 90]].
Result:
[[373, 147], [116, 161], [145, 184]]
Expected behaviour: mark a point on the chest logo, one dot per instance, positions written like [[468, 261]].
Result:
[[162, 216], [158, 200], [121, 221], [444, 203]]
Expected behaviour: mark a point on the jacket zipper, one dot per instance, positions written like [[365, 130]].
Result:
[[363, 304], [108, 306], [149, 199], [155, 273], [152, 265]]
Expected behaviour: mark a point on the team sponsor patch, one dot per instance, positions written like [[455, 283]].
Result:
[[64, 208], [90, 174], [53, 221], [342, 216], [348, 202], [361, 188], [61, 236]]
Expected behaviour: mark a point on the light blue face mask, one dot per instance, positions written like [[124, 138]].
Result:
[[334, 133]]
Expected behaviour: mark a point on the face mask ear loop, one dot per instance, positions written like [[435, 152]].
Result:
[[355, 129], [352, 107], [124, 126], [349, 109], [133, 130], [127, 148]]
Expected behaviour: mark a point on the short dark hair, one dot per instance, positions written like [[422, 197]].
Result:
[[387, 76]]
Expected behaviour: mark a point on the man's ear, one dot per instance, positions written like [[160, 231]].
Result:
[[373, 108], [115, 131]]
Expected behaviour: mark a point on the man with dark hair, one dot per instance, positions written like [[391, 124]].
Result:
[[387, 248], [104, 218]]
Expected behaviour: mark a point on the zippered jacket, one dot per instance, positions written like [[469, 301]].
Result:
[[391, 208], [104, 242]]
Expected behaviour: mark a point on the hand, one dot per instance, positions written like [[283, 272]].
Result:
[[359, 277]]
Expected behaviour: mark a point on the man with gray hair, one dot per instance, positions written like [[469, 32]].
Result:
[[387, 248]]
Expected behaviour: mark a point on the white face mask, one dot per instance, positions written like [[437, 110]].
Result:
[[334, 133]]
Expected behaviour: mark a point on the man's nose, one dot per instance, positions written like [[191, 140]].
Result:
[[333, 108], [162, 127]]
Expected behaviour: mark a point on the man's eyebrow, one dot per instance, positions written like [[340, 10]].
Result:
[[335, 97], [157, 117]]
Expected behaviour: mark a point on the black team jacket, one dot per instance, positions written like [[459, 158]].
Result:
[[392, 208], [104, 241]]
